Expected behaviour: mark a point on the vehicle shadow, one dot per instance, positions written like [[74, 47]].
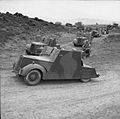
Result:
[[59, 81], [18, 79], [65, 81], [55, 81]]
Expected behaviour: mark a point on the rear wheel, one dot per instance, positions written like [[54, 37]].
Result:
[[33, 77], [85, 80]]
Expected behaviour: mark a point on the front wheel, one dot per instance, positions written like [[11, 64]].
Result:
[[85, 80], [33, 77]]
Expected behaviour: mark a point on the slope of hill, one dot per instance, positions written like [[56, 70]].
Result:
[[17, 27], [90, 21]]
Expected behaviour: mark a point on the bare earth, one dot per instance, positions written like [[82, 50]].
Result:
[[98, 99]]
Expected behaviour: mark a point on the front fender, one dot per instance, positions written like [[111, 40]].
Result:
[[30, 67]]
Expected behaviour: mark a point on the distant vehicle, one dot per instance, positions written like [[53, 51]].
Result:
[[95, 34], [105, 31], [84, 44], [54, 64], [35, 48], [79, 41]]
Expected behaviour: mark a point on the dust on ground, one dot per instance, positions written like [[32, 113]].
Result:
[[98, 99]]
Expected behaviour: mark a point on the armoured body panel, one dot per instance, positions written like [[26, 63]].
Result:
[[66, 66], [55, 64]]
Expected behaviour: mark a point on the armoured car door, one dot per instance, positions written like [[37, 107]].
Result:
[[66, 66]]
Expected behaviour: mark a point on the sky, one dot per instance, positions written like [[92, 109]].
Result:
[[64, 10]]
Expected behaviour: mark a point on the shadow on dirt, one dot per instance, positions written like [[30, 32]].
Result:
[[56, 81], [18, 79]]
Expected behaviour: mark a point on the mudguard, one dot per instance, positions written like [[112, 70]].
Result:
[[88, 72], [29, 67]]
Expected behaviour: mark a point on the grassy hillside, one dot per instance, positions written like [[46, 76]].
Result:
[[17, 28]]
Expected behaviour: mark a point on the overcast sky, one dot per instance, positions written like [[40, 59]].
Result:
[[64, 10]]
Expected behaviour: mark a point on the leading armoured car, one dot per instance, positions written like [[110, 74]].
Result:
[[53, 63]]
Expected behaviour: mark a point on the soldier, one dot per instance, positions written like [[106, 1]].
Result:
[[86, 44], [86, 48]]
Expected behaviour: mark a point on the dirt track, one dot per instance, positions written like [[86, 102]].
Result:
[[98, 99]]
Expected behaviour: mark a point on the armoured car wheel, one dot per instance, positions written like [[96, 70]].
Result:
[[33, 77], [85, 80]]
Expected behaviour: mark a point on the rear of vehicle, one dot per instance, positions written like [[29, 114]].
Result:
[[68, 65], [79, 41], [95, 34]]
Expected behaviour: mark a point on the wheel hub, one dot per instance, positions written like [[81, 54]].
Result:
[[33, 77]]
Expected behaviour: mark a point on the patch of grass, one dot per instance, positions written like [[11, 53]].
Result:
[[113, 37]]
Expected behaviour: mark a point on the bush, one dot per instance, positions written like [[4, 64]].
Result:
[[18, 14], [37, 19], [31, 23]]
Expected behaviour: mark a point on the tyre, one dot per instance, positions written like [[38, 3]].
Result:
[[85, 80], [33, 77]]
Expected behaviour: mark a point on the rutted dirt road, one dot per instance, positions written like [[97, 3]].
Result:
[[98, 99]]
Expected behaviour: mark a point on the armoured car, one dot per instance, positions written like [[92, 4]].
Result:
[[95, 34], [53, 63], [79, 41]]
